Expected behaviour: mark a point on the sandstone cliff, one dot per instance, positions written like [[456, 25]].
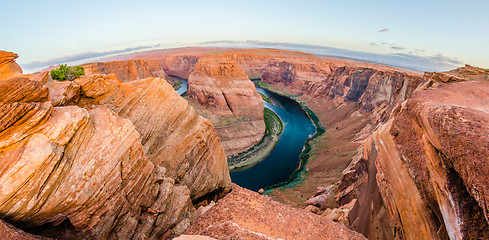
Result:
[[230, 100], [8, 67], [377, 90], [172, 133], [50, 157], [128, 70], [244, 214], [424, 171], [180, 66], [106, 159]]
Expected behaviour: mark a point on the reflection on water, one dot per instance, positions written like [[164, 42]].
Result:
[[284, 159], [183, 86]]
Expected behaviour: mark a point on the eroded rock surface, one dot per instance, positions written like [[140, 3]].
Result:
[[231, 100], [127, 70], [425, 168], [244, 214], [104, 159], [172, 133], [88, 167], [8, 67], [9, 232]]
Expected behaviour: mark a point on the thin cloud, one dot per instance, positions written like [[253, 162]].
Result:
[[403, 60], [440, 57], [218, 42], [384, 30], [82, 56], [397, 48]]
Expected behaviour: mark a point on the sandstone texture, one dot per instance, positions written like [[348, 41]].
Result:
[[425, 170], [9, 232], [420, 171], [98, 158], [230, 98], [8, 67], [244, 214], [172, 134], [127, 70]]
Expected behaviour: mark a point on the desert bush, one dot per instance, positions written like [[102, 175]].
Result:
[[65, 72]]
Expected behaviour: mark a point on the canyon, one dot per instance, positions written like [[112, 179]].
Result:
[[106, 162], [397, 154], [101, 158], [368, 109]]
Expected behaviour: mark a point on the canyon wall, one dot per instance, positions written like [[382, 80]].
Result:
[[128, 70], [108, 160], [230, 100], [375, 89], [172, 133], [425, 170], [419, 172]]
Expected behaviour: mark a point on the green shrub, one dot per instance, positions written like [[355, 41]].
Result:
[[65, 72]]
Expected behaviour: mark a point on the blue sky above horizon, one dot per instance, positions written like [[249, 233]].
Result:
[[436, 35]]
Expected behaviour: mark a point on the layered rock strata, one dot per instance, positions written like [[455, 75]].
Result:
[[8, 67], [127, 70], [231, 100], [86, 167], [127, 161], [424, 170], [172, 133]]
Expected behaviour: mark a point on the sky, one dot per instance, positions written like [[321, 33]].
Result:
[[423, 35]]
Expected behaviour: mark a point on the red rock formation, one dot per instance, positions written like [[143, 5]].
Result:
[[244, 214], [127, 70], [9, 232], [224, 89], [97, 170], [180, 66], [50, 157], [172, 133], [426, 166], [377, 90], [8, 67]]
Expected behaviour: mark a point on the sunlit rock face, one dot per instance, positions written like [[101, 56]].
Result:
[[377, 90], [8, 67], [427, 165], [104, 159], [224, 89], [127, 70], [172, 134], [244, 214]]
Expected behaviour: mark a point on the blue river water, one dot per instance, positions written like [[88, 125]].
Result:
[[183, 86], [284, 159]]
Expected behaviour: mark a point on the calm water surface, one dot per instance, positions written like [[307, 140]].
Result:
[[183, 86], [284, 159]]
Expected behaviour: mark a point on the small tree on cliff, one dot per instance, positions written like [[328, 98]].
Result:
[[65, 72]]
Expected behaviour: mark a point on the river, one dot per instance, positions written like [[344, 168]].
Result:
[[284, 159], [183, 86]]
